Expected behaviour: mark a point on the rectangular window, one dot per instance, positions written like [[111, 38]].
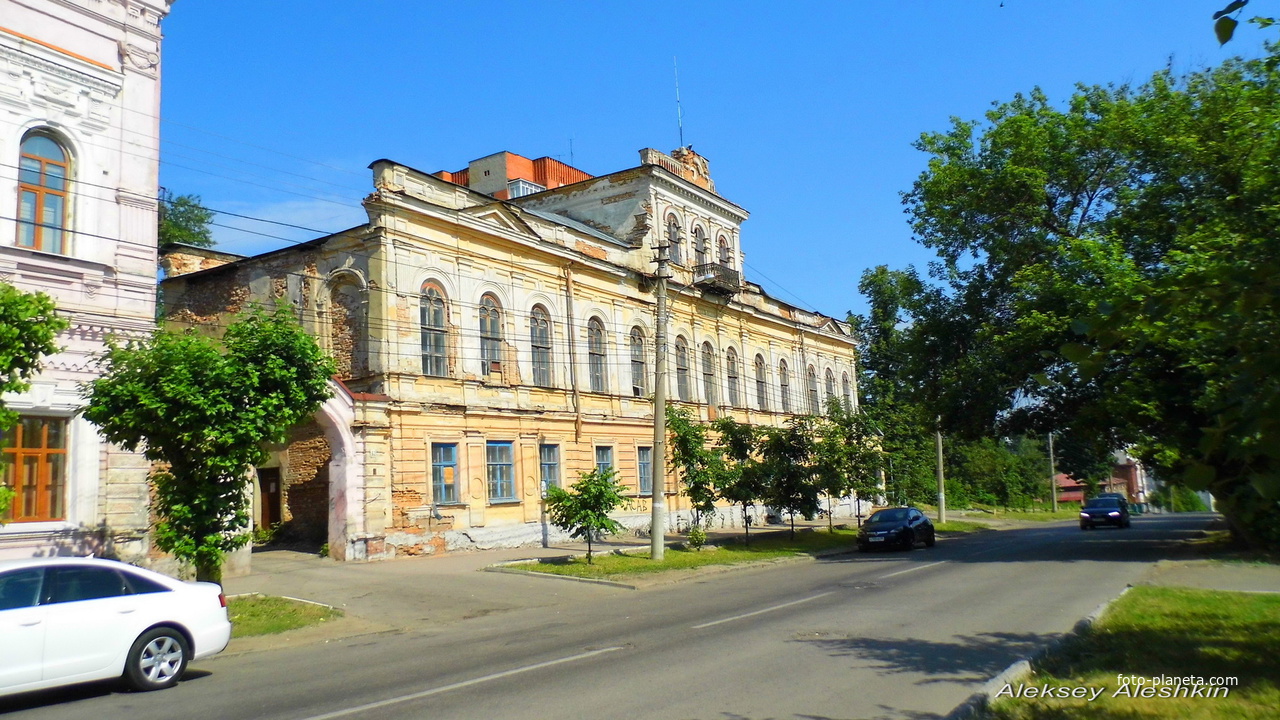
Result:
[[549, 459], [35, 467], [644, 466], [498, 457], [444, 473], [604, 458]]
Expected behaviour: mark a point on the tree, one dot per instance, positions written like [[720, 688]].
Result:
[[787, 468], [584, 513], [846, 457], [204, 410], [29, 324], [740, 480], [1111, 266], [694, 460], [184, 220]]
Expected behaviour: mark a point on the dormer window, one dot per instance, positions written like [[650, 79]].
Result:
[[519, 187]]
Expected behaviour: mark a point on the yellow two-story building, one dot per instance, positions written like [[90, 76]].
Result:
[[494, 332]]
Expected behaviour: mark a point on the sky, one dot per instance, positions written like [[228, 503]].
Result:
[[807, 111]]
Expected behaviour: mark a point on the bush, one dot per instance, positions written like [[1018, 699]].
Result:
[[697, 537]]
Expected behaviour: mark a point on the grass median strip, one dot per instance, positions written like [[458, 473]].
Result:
[[1161, 653], [267, 615], [776, 545], [960, 526]]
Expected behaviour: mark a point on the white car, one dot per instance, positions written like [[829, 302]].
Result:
[[71, 620]]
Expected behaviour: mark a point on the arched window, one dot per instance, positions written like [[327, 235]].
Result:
[[540, 345], [595, 355], [699, 246], [812, 380], [43, 175], [708, 373], [831, 387], [725, 256], [673, 240], [682, 369], [762, 387], [731, 374], [490, 335], [784, 385], [847, 390], [435, 332], [639, 369]]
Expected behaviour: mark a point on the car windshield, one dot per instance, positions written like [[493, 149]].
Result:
[[890, 515], [1103, 503]]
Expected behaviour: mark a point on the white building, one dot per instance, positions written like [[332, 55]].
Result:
[[79, 163]]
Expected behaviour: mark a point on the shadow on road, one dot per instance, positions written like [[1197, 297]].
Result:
[[969, 659]]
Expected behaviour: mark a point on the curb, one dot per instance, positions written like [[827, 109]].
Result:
[[977, 703]]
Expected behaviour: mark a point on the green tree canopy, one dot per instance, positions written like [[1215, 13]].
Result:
[[29, 324], [205, 409], [584, 512], [184, 220], [1112, 265]]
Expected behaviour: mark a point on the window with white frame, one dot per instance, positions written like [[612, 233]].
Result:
[[731, 375], [682, 369], [784, 385], [846, 390], [812, 385]]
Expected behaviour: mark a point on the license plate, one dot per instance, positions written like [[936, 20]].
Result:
[[876, 539]]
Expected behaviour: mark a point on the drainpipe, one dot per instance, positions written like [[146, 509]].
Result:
[[571, 334]]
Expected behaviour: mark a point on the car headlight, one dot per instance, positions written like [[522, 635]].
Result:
[[1084, 515], [1114, 513]]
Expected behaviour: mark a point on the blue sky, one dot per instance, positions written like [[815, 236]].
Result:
[[806, 110]]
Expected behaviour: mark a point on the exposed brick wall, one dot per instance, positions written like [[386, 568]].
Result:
[[305, 478], [346, 330]]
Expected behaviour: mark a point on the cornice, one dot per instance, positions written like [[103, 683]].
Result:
[[26, 59]]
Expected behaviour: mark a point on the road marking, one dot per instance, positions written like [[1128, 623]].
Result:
[[760, 612], [904, 572], [459, 685]]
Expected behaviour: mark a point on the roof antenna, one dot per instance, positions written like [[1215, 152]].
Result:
[[571, 152], [679, 110]]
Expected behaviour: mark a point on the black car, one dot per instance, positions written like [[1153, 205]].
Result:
[[896, 527], [1104, 511]]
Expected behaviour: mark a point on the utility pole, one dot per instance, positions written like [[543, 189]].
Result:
[[1053, 476], [942, 484], [658, 504]]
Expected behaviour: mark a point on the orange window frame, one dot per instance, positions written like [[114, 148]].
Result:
[[42, 192], [37, 474]]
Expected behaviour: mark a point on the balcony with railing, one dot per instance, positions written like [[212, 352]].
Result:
[[717, 278]]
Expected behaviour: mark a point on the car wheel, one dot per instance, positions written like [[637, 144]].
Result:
[[156, 660], [909, 541], [933, 540]]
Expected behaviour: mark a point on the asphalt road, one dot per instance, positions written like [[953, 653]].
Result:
[[885, 635]]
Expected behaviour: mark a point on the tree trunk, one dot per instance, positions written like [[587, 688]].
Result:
[[209, 572], [793, 525], [746, 527], [831, 503], [589, 548]]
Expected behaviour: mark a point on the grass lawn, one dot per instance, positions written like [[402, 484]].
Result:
[[1157, 632], [959, 526], [775, 545], [266, 615], [1066, 511]]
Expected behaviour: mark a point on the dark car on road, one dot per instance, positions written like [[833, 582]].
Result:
[[896, 527], [1104, 511]]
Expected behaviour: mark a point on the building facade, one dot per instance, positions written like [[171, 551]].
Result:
[[494, 332], [79, 132]]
